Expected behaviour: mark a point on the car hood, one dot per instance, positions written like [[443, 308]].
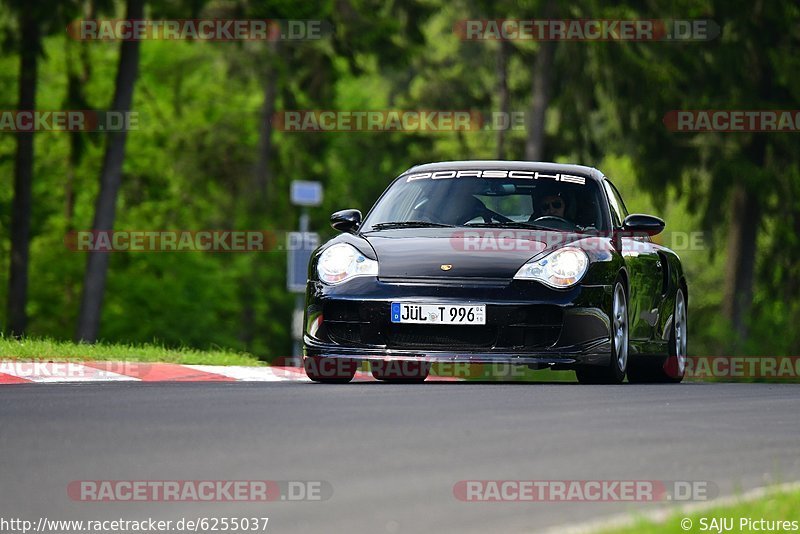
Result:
[[469, 252]]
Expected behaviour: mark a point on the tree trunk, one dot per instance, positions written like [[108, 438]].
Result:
[[261, 195], [742, 248], [502, 95], [540, 99], [745, 219], [542, 78], [740, 270], [262, 173], [23, 179], [746, 210], [78, 74], [110, 180]]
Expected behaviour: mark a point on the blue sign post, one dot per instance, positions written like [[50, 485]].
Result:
[[306, 193], [300, 245]]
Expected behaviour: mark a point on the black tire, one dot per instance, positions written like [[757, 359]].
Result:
[[614, 372], [672, 369], [400, 372], [329, 370]]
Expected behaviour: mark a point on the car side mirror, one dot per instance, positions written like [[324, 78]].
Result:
[[645, 224], [346, 220]]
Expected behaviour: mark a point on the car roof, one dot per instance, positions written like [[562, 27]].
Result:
[[540, 166]]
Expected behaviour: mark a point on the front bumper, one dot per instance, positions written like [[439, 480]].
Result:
[[526, 322]]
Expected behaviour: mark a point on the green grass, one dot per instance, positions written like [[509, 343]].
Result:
[[48, 349], [777, 506]]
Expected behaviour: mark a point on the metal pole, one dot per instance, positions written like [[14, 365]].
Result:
[[299, 300]]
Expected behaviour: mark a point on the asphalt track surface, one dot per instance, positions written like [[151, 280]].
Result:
[[391, 453]]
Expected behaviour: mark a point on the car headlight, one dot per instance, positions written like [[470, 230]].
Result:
[[562, 268], [341, 262]]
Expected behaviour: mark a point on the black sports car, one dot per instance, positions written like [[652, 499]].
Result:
[[537, 264]]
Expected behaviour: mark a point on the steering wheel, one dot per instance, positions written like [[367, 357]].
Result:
[[420, 213], [490, 215], [487, 215], [561, 222]]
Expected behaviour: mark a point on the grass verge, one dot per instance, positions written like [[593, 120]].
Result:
[[744, 516], [48, 349]]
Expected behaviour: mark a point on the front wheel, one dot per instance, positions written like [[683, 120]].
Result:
[[329, 370], [406, 372], [614, 372], [672, 369]]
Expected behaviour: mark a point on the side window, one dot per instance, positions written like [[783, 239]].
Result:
[[618, 210]]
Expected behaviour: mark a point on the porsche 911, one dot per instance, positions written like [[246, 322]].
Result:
[[480, 262]]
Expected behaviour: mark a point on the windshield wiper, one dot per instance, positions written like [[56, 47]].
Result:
[[410, 224]]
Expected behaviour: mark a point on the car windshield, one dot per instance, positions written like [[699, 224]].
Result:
[[545, 202]]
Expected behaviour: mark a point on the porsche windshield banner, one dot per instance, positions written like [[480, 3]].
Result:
[[498, 173]]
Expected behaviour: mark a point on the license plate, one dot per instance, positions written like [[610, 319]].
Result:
[[403, 312]]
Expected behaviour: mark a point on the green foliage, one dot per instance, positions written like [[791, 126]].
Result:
[[190, 165]]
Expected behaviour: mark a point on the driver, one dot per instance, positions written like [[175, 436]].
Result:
[[550, 202], [552, 205]]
